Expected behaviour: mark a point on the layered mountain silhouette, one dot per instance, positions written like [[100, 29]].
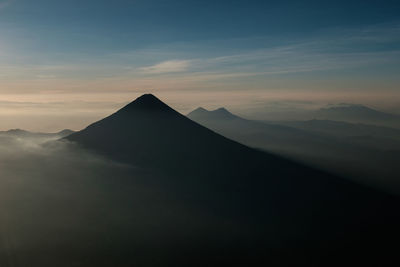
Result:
[[357, 113], [270, 136], [345, 112], [359, 151], [371, 135], [275, 211], [220, 113]]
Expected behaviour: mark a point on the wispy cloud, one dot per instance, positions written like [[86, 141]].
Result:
[[323, 61], [166, 67], [337, 50]]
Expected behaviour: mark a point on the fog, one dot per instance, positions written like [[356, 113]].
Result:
[[50, 113], [63, 206], [48, 195], [365, 153]]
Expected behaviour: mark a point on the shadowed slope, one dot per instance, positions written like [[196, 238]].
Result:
[[272, 137], [283, 207], [361, 152], [147, 132]]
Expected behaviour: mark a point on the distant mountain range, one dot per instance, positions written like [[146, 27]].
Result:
[[282, 139], [24, 133], [346, 129], [285, 137], [352, 113], [353, 149], [276, 211], [357, 113], [220, 113]]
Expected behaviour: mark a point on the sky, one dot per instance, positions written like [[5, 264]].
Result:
[[64, 64]]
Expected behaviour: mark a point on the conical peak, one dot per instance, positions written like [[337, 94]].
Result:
[[200, 110], [147, 97], [147, 102], [223, 112]]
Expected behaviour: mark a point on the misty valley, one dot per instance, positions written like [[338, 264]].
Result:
[[348, 140], [148, 186]]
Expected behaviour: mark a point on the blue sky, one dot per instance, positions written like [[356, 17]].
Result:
[[192, 52]]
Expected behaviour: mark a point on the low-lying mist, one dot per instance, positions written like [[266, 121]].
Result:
[[190, 198], [63, 206], [366, 153]]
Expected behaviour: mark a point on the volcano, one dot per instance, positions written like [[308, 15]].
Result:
[[274, 207]]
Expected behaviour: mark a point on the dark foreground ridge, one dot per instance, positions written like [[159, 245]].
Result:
[[243, 206]]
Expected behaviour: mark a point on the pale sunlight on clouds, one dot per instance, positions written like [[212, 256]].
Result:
[[167, 67]]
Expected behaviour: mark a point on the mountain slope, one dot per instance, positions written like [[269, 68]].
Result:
[[148, 132], [359, 151], [369, 135], [272, 206], [274, 137]]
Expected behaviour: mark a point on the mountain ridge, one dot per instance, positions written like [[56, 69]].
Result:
[[220, 112]]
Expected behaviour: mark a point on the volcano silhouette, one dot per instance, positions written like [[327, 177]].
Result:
[[147, 132], [281, 205]]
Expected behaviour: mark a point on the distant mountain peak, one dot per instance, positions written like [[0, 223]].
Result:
[[200, 109], [146, 102], [352, 109], [222, 110], [220, 113], [17, 130], [223, 113], [347, 106], [357, 113]]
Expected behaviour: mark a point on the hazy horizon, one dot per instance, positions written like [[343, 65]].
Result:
[[76, 114], [64, 64]]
